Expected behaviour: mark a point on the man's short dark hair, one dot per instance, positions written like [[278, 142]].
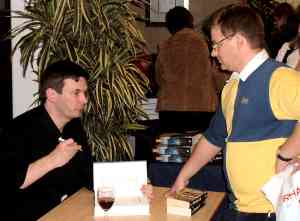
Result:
[[178, 18], [55, 74], [241, 19]]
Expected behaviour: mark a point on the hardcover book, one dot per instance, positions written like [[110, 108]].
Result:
[[172, 158], [186, 202], [184, 211], [173, 150], [186, 139], [126, 179], [165, 146], [176, 141]]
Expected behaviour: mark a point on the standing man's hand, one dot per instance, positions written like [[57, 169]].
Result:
[[281, 165], [179, 184], [296, 164]]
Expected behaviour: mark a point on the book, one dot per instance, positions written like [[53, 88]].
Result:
[[186, 202], [126, 179], [184, 211], [187, 139], [164, 146], [176, 141], [186, 198], [172, 158], [173, 150]]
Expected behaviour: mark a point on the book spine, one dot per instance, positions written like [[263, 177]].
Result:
[[174, 151], [184, 141], [171, 158], [199, 200], [196, 208], [172, 146]]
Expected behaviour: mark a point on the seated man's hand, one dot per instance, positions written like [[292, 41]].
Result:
[[147, 190], [64, 152]]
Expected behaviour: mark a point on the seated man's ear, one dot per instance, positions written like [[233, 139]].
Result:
[[51, 94]]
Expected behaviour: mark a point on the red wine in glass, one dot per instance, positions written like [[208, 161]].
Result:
[[105, 198], [106, 202]]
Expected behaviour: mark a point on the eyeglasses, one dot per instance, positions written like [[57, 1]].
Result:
[[218, 44]]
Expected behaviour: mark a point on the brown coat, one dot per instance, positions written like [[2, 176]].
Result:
[[185, 74]]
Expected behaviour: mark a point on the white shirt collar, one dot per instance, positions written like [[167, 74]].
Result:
[[252, 65]]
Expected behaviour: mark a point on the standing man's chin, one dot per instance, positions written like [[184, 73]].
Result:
[[224, 67]]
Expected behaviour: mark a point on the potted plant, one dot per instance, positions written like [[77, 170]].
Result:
[[102, 37]]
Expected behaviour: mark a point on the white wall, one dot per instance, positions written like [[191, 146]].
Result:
[[23, 89]]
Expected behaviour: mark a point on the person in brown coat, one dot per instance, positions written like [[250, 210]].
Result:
[[188, 81]]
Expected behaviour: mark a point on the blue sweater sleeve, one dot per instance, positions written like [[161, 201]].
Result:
[[217, 131]]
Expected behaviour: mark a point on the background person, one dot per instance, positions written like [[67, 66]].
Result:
[[286, 27], [257, 122], [289, 52], [187, 80]]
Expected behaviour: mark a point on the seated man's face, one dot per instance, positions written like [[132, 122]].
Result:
[[71, 101]]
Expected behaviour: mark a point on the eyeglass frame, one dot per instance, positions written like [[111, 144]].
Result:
[[218, 44]]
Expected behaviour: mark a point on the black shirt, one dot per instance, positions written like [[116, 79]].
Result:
[[31, 136]]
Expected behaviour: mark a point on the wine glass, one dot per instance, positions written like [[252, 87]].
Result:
[[105, 198]]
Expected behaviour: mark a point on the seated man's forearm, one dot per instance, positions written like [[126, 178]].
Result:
[[36, 170]]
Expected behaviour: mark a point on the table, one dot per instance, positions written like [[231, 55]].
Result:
[[80, 207]]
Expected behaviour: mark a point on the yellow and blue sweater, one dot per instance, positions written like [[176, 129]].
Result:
[[255, 118]]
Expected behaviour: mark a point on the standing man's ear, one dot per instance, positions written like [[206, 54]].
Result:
[[240, 39]]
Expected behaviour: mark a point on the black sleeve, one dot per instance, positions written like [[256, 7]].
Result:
[[13, 155]]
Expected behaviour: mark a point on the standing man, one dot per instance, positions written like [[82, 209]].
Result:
[[257, 123], [48, 168]]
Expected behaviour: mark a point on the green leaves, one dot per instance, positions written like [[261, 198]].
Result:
[[100, 35]]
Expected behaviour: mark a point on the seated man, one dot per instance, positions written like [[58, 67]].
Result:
[[46, 169], [48, 145]]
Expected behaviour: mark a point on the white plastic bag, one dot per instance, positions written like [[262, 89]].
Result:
[[283, 190]]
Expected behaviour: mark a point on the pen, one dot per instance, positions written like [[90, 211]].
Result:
[[60, 139]]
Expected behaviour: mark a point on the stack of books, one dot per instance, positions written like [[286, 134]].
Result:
[[176, 147], [186, 202]]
